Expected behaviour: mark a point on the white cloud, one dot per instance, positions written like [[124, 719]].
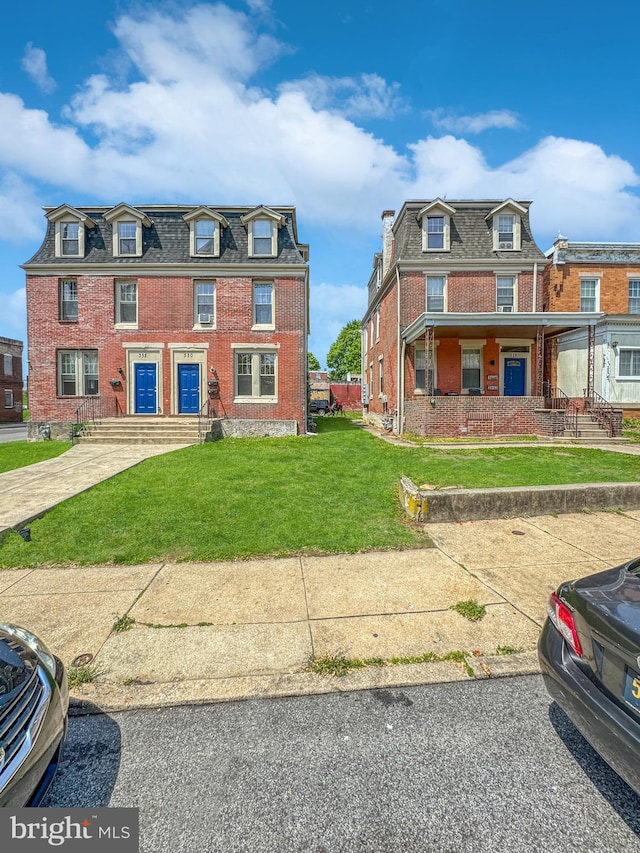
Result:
[[259, 7], [366, 96], [14, 311], [503, 119], [34, 62], [20, 216]]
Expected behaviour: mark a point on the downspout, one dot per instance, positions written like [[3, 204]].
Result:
[[400, 368], [535, 287]]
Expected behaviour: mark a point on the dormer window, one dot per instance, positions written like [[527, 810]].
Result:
[[204, 232], [262, 232], [436, 226], [506, 226], [127, 223], [70, 227], [70, 238]]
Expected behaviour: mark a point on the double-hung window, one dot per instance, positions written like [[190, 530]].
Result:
[[589, 293], [8, 364], [263, 304], [262, 237], [126, 303], [629, 363], [471, 369], [634, 296], [256, 374], [204, 293], [204, 233], [70, 238], [435, 293], [68, 291], [506, 231], [127, 238], [506, 293], [8, 398], [435, 232], [77, 373]]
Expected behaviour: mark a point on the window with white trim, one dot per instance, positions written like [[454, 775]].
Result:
[[589, 294], [256, 374], [77, 373], [204, 231], [507, 229], [70, 238], [204, 302], [435, 232], [126, 303], [436, 293], [381, 375], [634, 296], [629, 363], [126, 238], [263, 237], [263, 304], [8, 398], [424, 379], [378, 323], [471, 369], [435, 221], [8, 364], [506, 293], [68, 294]]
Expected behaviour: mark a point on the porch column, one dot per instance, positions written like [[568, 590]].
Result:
[[539, 361], [428, 360], [591, 346]]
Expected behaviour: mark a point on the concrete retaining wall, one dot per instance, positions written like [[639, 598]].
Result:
[[477, 504], [245, 428]]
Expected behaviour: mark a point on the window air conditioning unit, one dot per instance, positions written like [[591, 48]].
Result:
[[506, 246], [505, 309], [204, 318]]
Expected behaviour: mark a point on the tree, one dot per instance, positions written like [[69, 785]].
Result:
[[312, 362], [345, 353]]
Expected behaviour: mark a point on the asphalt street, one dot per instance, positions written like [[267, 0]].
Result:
[[13, 432], [476, 766]]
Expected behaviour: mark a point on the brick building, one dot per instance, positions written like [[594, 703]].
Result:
[[455, 331], [601, 360], [11, 382], [169, 310]]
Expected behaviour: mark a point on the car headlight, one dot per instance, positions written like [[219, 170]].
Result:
[[35, 644]]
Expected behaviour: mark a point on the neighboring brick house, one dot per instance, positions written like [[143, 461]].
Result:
[[11, 383], [454, 333], [601, 359], [169, 310]]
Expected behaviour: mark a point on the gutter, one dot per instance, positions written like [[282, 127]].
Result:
[[400, 366]]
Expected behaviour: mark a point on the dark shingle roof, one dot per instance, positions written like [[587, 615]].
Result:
[[167, 241], [471, 234]]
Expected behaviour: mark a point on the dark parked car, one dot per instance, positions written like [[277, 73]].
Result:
[[34, 703], [589, 652]]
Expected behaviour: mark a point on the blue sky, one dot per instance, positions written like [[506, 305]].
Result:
[[341, 108]]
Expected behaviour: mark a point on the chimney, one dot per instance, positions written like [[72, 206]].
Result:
[[387, 239]]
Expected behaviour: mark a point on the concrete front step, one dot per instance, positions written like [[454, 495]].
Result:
[[141, 430]]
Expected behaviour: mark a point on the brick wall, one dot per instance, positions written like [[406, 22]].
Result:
[[562, 286], [11, 382], [482, 416], [165, 316]]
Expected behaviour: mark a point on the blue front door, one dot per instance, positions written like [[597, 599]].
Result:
[[146, 389], [188, 389], [514, 377]]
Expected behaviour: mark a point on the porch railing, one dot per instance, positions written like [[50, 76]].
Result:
[[92, 410], [600, 411], [204, 420], [559, 400]]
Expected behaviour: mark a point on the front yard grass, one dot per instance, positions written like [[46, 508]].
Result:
[[17, 454], [335, 492]]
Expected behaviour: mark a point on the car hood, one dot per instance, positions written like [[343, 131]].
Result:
[[17, 665]]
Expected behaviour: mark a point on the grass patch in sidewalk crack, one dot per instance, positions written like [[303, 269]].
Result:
[[509, 650], [340, 665], [176, 625], [123, 623], [78, 675], [470, 609]]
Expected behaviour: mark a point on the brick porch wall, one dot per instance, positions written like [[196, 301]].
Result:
[[476, 416]]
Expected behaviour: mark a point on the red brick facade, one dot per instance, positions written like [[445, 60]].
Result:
[[11, 382]]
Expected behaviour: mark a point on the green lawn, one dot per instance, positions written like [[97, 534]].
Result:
[[239, 498], [17, 454]]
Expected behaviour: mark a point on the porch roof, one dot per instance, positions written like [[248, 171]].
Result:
[[499, 325]]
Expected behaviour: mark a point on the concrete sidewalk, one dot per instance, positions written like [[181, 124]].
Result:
[[213, 631]]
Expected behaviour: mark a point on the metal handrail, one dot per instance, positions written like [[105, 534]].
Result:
[[204, 417], [559, 400], [93, 409], [600, 410]]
